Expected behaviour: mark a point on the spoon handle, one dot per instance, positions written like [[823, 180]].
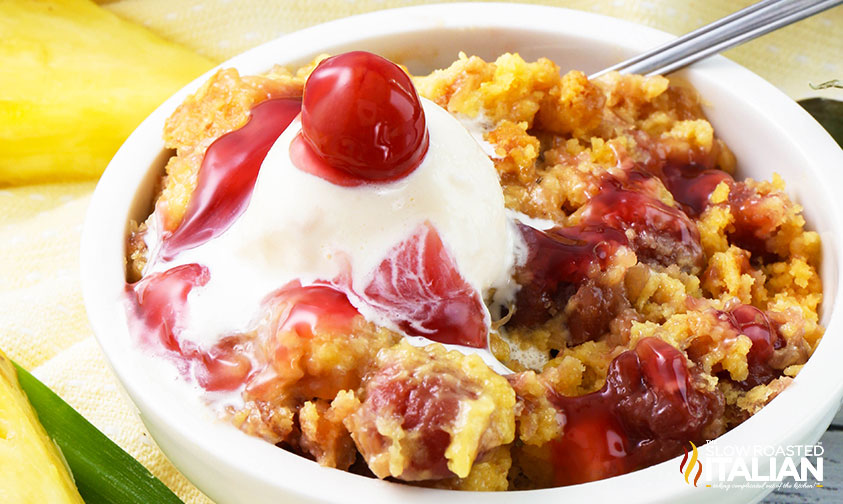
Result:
[[746, 24]]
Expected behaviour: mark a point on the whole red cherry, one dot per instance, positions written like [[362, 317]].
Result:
[[361, 114]]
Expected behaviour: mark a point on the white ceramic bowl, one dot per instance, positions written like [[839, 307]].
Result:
[[766, 130]]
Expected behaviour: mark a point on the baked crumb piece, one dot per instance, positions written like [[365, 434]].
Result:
[[488, 474], [323, 434], [271, 422], [428, 413]]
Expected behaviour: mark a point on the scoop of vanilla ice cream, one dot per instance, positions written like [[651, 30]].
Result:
[[300, 226]]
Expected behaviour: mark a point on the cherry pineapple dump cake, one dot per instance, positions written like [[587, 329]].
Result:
[[326, 244]]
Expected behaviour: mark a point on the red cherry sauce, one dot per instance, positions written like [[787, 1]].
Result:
[[159, 309], [227, 175], [362, 121], [161, 302], [663, 234], [644, 414], [559, 259], [419, 288], [690, 176], [756, 325], [756, 219], [312, 308], [691, 184]]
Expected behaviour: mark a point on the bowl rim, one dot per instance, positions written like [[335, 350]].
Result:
[[102, 258]]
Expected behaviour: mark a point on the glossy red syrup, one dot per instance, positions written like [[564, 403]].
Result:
[[754, 220], [228, 174], [691, 185], [311, 308], [159, 309], [647, 410], [756, 325], [161, 300], [419, 287], [690, 177], [361, 115], [654, 223], [559, 258]]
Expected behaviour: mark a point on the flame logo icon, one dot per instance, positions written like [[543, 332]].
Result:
[[690, 465]]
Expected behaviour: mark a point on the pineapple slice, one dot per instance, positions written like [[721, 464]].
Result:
[[32, 469], [75, 80]]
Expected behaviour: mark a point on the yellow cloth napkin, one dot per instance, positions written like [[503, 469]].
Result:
[[42, 321], [809, 51]]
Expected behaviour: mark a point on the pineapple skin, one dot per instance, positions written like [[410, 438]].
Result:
[[32, 469], [75, 80]]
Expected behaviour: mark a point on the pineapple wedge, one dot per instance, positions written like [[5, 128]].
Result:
[[75, 80], [32, 469]]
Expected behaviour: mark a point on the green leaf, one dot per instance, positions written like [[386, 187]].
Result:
[[827, 112], [104, 473]]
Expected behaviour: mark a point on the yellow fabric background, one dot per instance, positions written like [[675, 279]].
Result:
[[42, 321], [809, 51]]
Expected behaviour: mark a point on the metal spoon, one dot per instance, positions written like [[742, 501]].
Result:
[[746, 24]]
